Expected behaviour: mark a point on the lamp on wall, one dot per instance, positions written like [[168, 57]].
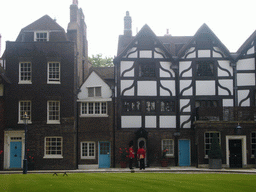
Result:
[[238, 129], [25, 161]]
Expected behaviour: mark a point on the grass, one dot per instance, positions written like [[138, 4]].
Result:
[[134, 182]]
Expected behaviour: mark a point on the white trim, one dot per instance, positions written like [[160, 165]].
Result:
[[52, 121], [25, 81], [244, 156], [35, 38], [87, 157], [95, 100], [53, 156], [168, 155], [53, 80]]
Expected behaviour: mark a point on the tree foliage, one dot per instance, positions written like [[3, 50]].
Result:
[[215, 151], [98, 61]]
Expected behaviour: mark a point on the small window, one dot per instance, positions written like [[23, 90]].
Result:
[[93, 108], [208, 141], [253, 143], [25, 73], [167, 106], [41, 36], [206, 103], [53, 112], [204, 69], [24, 108], [53, 147], [87, 150], [147, 70], [53, 72], [150, 106], [169, 145], [131, 106], [94, 91]]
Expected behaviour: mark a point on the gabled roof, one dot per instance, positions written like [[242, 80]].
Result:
[[4, 77], [126, 42], [204, 29], [246, 45], [45, 23]]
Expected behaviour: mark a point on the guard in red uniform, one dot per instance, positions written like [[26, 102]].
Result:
[[141, 154], [131, 155]]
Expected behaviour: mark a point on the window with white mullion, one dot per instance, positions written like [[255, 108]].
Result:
[[168, 144], [24, 109], [87, 150], [53, 72], [53, 112], [53, 147], [41, 36], [25, 72], [93, 108]]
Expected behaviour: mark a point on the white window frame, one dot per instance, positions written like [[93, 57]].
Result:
[[210, 132], [22, 71], [23, 111], [253, 143], [53, 80], [49, 121], [94, 91], [88, 156], [85, 109], [53, 156], [37, 39], [169, 146]]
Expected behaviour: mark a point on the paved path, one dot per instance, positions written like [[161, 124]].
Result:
[[136, 170]]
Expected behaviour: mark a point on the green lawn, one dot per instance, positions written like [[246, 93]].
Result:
[[134, 182]]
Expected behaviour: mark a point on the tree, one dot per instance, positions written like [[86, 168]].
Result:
[[215, 151], [98, 61]]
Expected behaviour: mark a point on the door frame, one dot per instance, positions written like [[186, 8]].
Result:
[[189, 150], [7, 146]]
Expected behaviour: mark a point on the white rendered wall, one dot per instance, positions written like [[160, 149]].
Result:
[[183, 66], [147, 88], [246, 64], [131, 53], [184, 84], [224, 65], [204, 53], [146, 54], [184, 102], [167, 121], [228, 103], [184, 118], [94, 81], [205, 88], [227, 84], [131, 121], [246, 79], [170, 85], [242, 94], [166, 66]]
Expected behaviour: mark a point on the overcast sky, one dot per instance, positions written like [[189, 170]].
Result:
[[232, 21]]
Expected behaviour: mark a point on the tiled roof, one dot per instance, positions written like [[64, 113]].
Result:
[[105, 73]]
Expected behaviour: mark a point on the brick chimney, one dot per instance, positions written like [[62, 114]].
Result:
[[74, 11], [127, 24]]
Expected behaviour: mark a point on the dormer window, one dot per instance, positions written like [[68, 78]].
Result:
[[94, 91], [205, 68], [147, 70], [41, 36]]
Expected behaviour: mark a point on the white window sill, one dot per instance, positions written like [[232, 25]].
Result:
[[25, 82], [87, 157], [53, 122], [22, 122], [53, 157], [53, 82], [93, 115]]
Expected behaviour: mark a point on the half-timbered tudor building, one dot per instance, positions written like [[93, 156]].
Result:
[[95, 125], [46, 66], [174, 92]]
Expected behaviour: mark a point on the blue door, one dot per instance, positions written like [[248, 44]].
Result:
[[15, 154], [184, 152], [104, 155]]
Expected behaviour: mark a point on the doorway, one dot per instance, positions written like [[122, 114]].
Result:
[[15, 154], [104, 154], [184, 152], [143, 143], [235, 153]]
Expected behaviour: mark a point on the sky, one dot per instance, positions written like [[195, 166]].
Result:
[[233, 21]]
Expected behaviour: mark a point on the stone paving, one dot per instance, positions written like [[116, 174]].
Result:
[[137, 170]]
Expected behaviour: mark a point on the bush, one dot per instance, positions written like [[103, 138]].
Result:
[[215, 150]]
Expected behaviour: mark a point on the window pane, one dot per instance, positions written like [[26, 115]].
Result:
[[97, 91], [90, 92]]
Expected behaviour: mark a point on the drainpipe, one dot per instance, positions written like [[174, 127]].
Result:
[[114, 117]]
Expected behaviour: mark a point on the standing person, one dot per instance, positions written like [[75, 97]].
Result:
[[141, 154], [131, 155]]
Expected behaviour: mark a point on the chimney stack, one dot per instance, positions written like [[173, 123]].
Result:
[[74, 11], [127, 24]]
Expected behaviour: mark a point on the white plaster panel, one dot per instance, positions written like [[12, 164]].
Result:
[[224, 65], [147, 88], [251, 51], [227, 83], [228, 103], [157, 55], [184, 118], [216, 54], [242, 94], [131, 121], [185, 65], [204, 53], [205, 88], [150, 121], [146, 54], [246, 79], [124, 65], [132, 55], [166, 66], [125, 84], [169, 85], [184, 84], [184, 102], [246, 64], [167, 121], [94, 81], [192, 53]]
